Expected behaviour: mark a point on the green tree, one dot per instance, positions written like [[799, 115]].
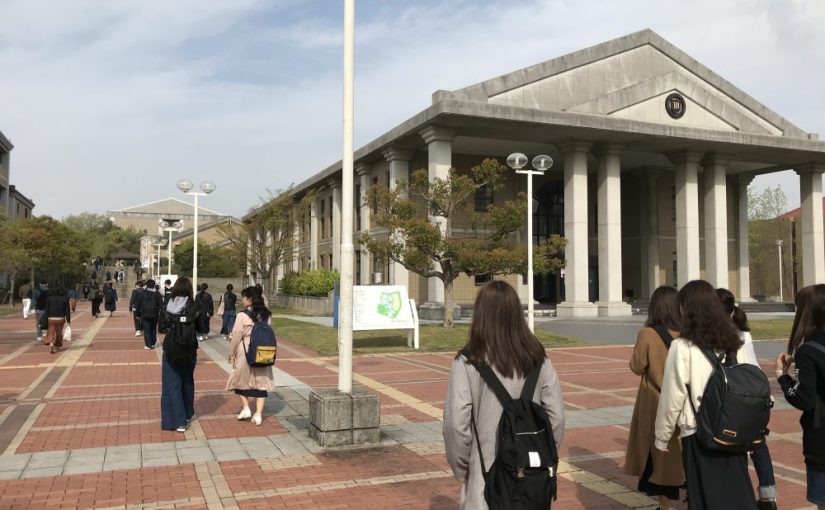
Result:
[[54, 252], [213, 262], [101, 237], [14, 260], [435, 231], [765, 227]]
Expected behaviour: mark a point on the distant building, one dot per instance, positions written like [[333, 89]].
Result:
[[20, 207], [12, 201]]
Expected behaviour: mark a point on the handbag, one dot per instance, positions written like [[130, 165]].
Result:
[[220, 307], [67, 333]]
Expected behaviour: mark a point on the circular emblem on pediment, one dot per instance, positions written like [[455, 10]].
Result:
[[675, 105]]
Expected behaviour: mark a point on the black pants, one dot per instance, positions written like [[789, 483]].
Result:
[[138, 322], [653, 489]]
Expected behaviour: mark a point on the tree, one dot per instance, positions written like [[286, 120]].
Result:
[[101, 237], [212, 262], [14, 260], [265, 238], [765, 226], [435, 231]]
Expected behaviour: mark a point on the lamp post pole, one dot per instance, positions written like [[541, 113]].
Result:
[[207, 187], [169, 256], [517, 161], [779, 243]]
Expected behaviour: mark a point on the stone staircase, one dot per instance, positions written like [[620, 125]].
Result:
[[123, 289]]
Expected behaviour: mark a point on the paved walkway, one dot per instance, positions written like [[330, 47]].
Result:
[[81, 429]]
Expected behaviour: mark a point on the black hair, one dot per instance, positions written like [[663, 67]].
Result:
[[704, 322], [167, 282], [150, 283], [739, 317], [204, 286], [663, 309], [230, 287], [258, 308], [182, 287]]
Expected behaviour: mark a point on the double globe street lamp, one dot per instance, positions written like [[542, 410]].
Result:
[[541, 163], [207, 187]]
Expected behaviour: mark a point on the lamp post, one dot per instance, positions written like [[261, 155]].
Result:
[[168, 225], [207, 187], [161, 243], [779, 244], [517, 161]]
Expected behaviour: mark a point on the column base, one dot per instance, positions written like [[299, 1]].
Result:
[[338, 419], [746, 299], [614, 309], [577, 309]]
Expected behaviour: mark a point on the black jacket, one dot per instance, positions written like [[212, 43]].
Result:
[[207, 305], [806, 392], [149, 304], [57, 307]]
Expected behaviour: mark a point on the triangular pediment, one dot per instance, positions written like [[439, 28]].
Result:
[[630, 77]]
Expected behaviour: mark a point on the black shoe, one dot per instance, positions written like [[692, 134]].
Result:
[[766, 505]]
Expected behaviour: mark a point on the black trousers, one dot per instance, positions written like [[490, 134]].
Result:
[[716, 480]]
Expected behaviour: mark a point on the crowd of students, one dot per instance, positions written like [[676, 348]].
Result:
[[672, 355]]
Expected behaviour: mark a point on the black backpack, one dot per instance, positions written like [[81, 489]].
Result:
[[180, 345], [523, 474], [736, 406], [150, 303]]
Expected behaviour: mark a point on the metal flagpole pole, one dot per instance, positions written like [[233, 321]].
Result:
[[195, 249]]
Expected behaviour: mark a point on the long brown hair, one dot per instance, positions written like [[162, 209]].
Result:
[[704, 321], [739, 317], [499, 334], [810, 315], [663, 309]]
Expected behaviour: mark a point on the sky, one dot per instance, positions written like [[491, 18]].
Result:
[[109, 103]]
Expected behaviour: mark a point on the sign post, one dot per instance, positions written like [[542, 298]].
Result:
[[377, 307]]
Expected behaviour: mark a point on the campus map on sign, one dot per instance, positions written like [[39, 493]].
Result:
[[381, 307]]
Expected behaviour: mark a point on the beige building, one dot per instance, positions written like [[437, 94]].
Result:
[[12, 201], [653, 155]]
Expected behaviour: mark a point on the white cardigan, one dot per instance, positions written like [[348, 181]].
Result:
[[686, 364]]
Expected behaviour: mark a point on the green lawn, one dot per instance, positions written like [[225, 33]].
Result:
[[771, 329], [324, 340], [7, 310]]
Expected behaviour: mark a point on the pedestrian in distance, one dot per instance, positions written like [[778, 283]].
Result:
[[660, 473], [761, 458], [133, 307], [86, 289], [801, 373], [167, 290], [180, 346], [149, 305], [110, 298], [40, 297], [247, 381], [72, 294], [501, 361], [58, 314], [97, 299], [25, 293], [207, 306], [227, 309], [714, 479], [108, 276]]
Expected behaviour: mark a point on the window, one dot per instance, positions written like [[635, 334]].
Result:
[[323, 222], [358, 267], [483, 198], [481, 279], [673, 203], [357, 207], [375, 202]]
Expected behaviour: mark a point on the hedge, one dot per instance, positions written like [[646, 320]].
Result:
[[317, 282]]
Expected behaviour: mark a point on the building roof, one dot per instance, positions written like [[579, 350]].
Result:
[[796, 213], [170, 206], [190, 231], [15, 192], [5, 143]]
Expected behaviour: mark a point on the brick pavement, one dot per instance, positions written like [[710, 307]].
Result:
[[81, 429]]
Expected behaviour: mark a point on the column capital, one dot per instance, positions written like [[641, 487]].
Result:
[[574, 146], [361, 169], [393, 153], [434, 133], [716, 158], [809, 168], [608, 149], [745, 179], [684, 156], [333, 184]]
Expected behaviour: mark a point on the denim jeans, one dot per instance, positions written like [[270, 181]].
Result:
[[150, 331], [763, 466], [177, 398], [37, 315], [228, 322]]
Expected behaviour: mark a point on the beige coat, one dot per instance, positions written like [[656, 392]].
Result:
[[648, 361], [244, 377]]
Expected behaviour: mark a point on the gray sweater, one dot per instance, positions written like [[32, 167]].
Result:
[[468, 393]]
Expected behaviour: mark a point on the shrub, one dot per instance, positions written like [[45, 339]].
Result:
[[317, 282]]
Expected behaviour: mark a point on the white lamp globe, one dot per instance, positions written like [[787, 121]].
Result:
[[185, 185], [207, 187], [516, 161]]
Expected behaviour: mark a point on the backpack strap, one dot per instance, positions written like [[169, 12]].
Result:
[[664, 334], [530, 384]]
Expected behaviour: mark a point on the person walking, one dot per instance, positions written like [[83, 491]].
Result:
[[86, 289], [227, 310], [25, 293], [801, 373], [180, 346], [58, 313], [110, 298], [247, 381], [660, 473], [40, 297], [133, 307], [108, 276], [714, 479], [149, 305], [761, 458], [97, 299], [72, 299], [207, 305], [499, 338]]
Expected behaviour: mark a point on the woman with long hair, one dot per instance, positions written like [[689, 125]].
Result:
[[660, 473], [761, 457], [499, 338], [247, 381], [180, 346], [714, 480], [804, 386]]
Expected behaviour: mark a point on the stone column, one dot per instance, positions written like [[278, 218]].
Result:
[[743, 292], [313, 234], [813, 241], [610, 301], [365, 183], [716, 220], [296, 242], [336, 225], [687, 215], [577, 300], [399, 160], [439, 142]]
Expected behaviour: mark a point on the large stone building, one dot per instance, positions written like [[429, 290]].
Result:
[[654, 153], [12, 201]]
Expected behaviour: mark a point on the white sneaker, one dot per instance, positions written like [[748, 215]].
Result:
[[245, 414], [256, 419], [181, 429], [138, 333], [147, 348]]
